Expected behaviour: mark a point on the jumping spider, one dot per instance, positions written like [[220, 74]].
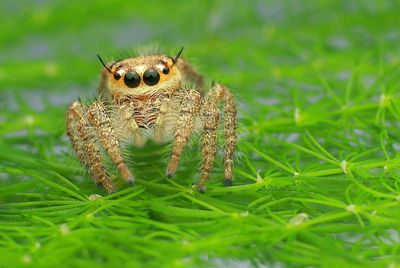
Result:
[[148, 97]]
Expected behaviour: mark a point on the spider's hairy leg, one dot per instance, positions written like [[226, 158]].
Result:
[[101, 121], [217, 93], [190, 73], [160, 120], [86, 148], [74, 112], [230, 126], [128, 120], [189, 107], [88, 135], [211, 120]]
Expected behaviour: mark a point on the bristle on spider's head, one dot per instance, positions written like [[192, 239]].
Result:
[[102, 62], [177, 56]]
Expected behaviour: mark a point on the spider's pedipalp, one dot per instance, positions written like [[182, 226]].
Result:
[[211, 120], [159, 125], [128, 120], [189, 107]]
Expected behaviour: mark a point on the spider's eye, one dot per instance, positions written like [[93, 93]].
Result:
[[165, 70], [132, 79], [117, 76], [151, 77]]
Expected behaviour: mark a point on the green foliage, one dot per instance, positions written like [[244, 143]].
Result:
[[317, 179]]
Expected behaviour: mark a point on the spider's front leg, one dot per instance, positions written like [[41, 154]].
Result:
[[211, 120], [74, 112], [189, 107], [84, 141], [101, 121], [216, 94]]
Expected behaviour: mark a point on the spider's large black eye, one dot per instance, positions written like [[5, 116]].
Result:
[[151, 77], [165, 70], [132, 79]]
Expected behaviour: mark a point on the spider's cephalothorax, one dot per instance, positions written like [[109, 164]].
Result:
[[146, 97]]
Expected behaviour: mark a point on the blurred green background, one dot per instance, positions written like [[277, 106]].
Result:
[[316, 83]]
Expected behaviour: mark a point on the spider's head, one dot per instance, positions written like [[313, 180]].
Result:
[[141, 76]]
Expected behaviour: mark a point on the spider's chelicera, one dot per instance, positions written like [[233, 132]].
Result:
[[145, 97]]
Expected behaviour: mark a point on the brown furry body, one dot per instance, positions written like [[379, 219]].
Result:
[[148, 97]]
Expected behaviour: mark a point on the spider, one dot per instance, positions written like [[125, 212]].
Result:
[[151, 97]]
